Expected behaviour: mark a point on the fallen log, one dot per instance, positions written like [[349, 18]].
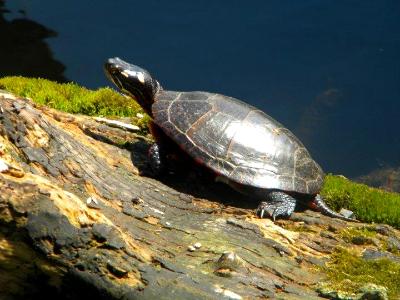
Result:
[[80, 219]]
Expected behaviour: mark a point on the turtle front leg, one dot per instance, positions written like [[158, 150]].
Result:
[[278, 204], [156, 159]]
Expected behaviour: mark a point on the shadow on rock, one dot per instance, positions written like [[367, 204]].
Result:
[[186, 176]]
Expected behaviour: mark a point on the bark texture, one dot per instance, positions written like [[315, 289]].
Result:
[[80, 219]]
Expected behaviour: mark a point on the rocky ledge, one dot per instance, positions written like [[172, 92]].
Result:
[[79, 219]]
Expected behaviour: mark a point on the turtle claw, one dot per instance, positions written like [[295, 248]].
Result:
[[265, 209]]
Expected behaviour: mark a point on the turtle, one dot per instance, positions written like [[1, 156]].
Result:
[[243, 146]]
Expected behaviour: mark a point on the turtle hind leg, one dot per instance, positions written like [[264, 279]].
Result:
[[278, 204], [323, 208]]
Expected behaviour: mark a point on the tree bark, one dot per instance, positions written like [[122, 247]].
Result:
[[80, 219]]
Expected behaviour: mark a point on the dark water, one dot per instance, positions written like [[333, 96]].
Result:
[[328, 70]]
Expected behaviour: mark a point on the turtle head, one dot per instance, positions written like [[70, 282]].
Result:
[[133, 81]]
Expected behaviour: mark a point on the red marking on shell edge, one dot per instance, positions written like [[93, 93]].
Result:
[[312, 205], [199, 161]]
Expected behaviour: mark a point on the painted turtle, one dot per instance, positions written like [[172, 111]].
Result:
[[246, 148]]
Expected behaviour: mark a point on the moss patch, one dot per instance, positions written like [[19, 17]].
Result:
[[298, 227], [358, 236], [72, 98], [368, 204], [347, 273]]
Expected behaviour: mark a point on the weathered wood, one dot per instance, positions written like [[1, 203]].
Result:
[[75, 213]]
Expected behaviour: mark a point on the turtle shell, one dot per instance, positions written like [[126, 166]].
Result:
[[237, 141]]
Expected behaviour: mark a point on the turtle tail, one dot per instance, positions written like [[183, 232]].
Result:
[[323, 208]]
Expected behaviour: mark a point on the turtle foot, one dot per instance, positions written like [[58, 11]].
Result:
[[279, 204]]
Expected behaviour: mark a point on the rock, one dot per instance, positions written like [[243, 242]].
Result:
[[385, 178], [371, 254], [382, 229], [136, 200], [372, 291], [3, 166], [227, 294], [130, 211], [368, 291], [229, 260], [118, 124], [361, 240], [327, 291], [116, 269], [107, 234], [347, 213], [393, 244], [93, 203], [316, 261]]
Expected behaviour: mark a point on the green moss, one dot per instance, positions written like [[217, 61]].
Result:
[[368, 204], [72, 98], [347, 272], [298, 228], [359, 236]]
